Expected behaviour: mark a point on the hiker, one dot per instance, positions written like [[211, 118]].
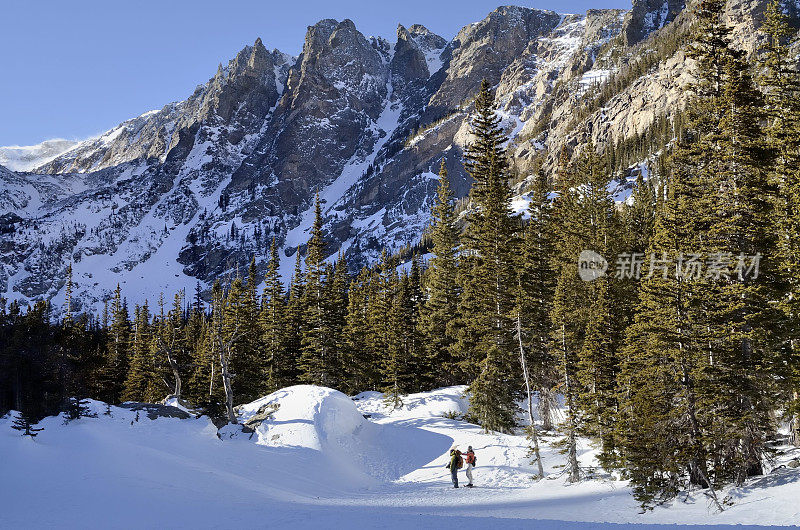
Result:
[[470, 460], [456, 462]]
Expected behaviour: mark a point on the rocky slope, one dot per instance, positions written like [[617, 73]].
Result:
[[188, 193]]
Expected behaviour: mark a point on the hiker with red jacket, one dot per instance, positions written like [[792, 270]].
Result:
[[456, 462], [470, 460]]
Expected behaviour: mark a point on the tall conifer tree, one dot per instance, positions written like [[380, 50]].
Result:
[[441, 288], [315, 359], [273, 325], [485, 330]]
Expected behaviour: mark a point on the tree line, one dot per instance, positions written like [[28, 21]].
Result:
[[679, 362]]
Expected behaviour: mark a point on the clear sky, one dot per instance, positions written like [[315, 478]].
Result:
[[74, 68]]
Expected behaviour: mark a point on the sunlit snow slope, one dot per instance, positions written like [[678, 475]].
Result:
[[318, 462]]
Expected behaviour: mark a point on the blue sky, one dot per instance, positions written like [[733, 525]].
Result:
[[72, 69]]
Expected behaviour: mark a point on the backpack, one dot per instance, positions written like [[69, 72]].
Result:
[[459, 462]]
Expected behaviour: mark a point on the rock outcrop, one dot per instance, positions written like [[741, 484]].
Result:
[[647, 16]]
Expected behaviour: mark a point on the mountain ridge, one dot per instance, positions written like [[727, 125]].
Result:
[[190, 192]]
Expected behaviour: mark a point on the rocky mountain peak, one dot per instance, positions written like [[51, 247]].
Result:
[[409, 61], [243, 91], [426, 38], [336, 51], [334, 94], [403, 33], [318, 35], [647, 16], [484, 49], [254, 61]]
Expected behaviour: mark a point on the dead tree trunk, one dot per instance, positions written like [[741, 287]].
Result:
[[572, 443], [546, 405], [526, 375], [174, 367], [226, 381], [168, 351], [796, 425]]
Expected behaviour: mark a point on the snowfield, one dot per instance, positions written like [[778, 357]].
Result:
[[324, 460]]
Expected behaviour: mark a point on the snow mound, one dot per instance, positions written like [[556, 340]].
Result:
[[434, 404], [306, 416], [327, 421]]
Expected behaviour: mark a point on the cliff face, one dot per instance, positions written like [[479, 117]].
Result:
[[647, 16], [184, 194]]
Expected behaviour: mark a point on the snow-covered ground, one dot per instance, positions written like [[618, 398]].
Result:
[[324, 460]]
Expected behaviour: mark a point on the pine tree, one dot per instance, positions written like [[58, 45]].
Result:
[[170, 345], [526, 375], [273, 325], [105, 314], [422, 373], [68, 298], [654, 403], [296, 324], [536, 280], [77, 408], [141, 382], [205, 385], [197, 305], [74, 339], [485, 329], [381, 336], [235, 333], [581, 315], [116, 363], [360, 363], [403, 362], [597, 361], [316, 362], [395, 365], [567, 336], [744, 313], [441, 288], [637, 223], [780, 84], [223, 335], [250, 362], [336, 317], [694, 370], [597, 372], [24, 423]]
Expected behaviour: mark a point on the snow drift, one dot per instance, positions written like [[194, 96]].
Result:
[[327, 421]]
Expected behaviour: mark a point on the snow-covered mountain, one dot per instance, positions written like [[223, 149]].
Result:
[[190, 192], [28, 157]]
